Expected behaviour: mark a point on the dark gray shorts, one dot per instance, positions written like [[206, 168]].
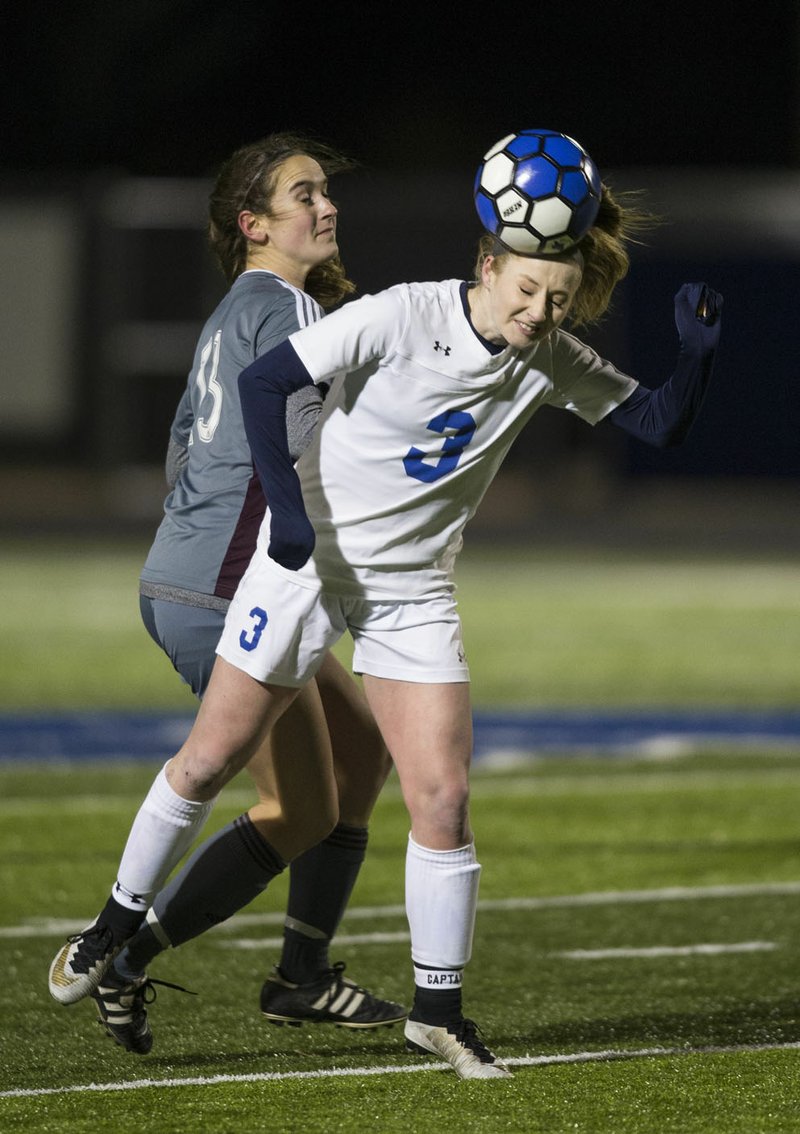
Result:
[[188, 635]]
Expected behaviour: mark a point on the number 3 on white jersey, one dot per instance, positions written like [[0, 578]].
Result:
[[208, 385], [415, 461]]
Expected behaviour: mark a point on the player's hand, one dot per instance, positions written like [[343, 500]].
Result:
[[291, 540], [698, 317]]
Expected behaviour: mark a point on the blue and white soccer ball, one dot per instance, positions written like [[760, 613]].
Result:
[[538, 192]]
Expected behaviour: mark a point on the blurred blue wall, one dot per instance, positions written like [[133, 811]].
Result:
[[99, 328]]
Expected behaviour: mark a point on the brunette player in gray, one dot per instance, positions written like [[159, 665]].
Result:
[[273, 229]]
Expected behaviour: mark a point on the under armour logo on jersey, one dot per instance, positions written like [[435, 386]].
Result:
[[438, 346]]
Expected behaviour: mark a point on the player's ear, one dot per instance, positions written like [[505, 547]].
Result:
[[487, 269], [254, 226]]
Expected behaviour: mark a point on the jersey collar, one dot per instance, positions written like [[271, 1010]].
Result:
[[493, 348]]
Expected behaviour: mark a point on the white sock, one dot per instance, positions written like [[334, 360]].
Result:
[[441, 902], [165, 827]]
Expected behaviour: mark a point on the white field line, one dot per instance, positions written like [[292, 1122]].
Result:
[[253, 943], [412, 1068], [654, 951], [706, 950], [58, 927]]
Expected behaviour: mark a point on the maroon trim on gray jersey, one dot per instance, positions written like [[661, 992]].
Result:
[[243, 541]]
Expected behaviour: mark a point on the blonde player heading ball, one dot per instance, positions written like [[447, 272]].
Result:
[[430, 384]]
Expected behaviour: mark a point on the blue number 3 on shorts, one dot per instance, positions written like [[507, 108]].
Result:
[[260, 621]]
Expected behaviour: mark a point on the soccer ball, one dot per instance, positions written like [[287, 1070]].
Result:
[[538, 192]]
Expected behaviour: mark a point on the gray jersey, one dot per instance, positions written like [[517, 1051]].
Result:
[[213, 513]]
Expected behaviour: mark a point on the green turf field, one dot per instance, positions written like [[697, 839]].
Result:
[[542, 628], [636, 958], [636, 954]]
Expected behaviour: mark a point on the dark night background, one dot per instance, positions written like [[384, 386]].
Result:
[[168, 87], [696, 103]]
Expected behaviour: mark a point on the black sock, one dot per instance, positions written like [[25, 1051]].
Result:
[[321, 882], [223, 875], [122, 921], [438, 1005]]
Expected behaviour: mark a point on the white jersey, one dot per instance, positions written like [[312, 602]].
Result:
[[421, 412]]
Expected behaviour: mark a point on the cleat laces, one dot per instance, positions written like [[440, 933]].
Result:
[[94, 944], [468, 1035]]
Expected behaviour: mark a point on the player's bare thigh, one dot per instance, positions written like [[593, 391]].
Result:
[[234, 720], [428, 730], [293, 770], [360, 758]]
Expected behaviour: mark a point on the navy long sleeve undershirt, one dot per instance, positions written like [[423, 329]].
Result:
[[664, 416], [263, 392]]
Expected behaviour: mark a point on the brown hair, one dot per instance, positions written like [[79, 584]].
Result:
[[603, 250], [247, 181]]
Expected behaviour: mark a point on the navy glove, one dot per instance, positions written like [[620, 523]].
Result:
[[698, 317], [291, 539]]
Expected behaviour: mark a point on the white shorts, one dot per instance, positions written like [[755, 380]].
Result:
[[279, 632]]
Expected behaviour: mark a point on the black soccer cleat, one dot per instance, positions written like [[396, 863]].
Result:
[[122, 1010], [330, 999]]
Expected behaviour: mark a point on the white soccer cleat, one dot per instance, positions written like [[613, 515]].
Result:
[[80, 964], [459, 1045]]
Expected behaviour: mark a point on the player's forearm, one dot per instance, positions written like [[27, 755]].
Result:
[[303, 409], [264, 387], [175, 461], [664, 416]]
